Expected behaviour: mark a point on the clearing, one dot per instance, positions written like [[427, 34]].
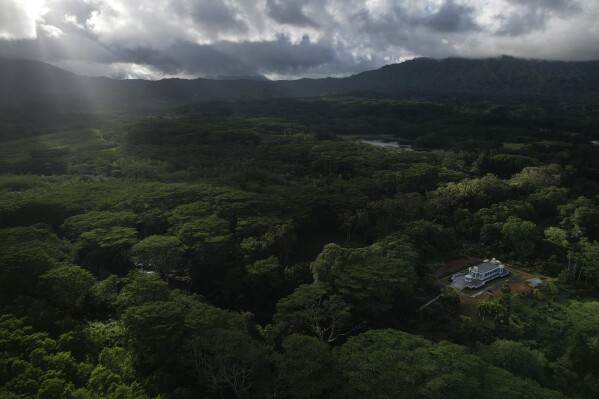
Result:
[[516, 280]]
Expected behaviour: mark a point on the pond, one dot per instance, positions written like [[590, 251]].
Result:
[[387, 143]]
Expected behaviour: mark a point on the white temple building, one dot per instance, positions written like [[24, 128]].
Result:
[[479, 275]]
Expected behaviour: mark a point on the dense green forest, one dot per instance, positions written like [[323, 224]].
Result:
[[258, 248]]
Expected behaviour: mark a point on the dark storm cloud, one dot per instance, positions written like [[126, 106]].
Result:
[[415, 30], [231, 58], [287, 38], [531, 15], [452, 18], [523, 22], [210, 14], [289, 12]]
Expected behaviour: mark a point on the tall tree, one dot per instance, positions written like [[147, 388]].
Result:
[[520, 236], [67, 286], [307, 367], [373, 279], [312, 308], [160, 253]]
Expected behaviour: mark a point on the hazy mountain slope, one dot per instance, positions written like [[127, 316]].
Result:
[[493, 76], [28, 82]]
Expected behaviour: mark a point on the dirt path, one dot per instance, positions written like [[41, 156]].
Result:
[[521, 285]]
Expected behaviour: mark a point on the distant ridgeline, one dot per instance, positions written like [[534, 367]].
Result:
[[29, 82]]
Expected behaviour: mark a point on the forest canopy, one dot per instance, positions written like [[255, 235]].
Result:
[[259, 248]]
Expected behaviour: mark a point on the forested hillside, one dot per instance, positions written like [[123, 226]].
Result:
[[257, 248], [24, 82]]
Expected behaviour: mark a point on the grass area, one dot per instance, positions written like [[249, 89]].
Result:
[[72, 141], [552, 307], [368, 137], [514, 146], [492, 285], [548, 311], [446, 280]]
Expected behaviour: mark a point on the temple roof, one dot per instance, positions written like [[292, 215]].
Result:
[[487, 266]]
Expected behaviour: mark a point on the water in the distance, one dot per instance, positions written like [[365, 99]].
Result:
[[387, 143]]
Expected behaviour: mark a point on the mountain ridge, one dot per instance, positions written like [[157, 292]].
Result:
[[28, 82]]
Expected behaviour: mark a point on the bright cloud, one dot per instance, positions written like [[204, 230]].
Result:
[[19, 19]]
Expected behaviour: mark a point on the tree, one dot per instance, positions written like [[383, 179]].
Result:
[[500, 212], [313, 309], [390, 364], [104, 294], [490, 234], [264, 280], [119, 361], [520, 235], [584, 319], [586, 220], [141, 288], [386, 214], [515, 357], [353, 222], [262, 236], [104, 382], [586, 262], [226, 361], [105, 250], [547, 199], [505, 165], [79, 224], [307, 367], [25, 254], [67, 286], [155, 329], [100, 335], [430, 238], [557, 236], [468, 193], [52, 388], [583, 337], [373, 279], [116, 238], [160, 253], [493, 309], [205, 233], [419, 177], [534, 178]]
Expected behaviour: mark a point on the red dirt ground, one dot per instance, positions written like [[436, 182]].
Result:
[[518, 286]]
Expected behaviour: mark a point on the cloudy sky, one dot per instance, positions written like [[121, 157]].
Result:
[[287, 38]]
